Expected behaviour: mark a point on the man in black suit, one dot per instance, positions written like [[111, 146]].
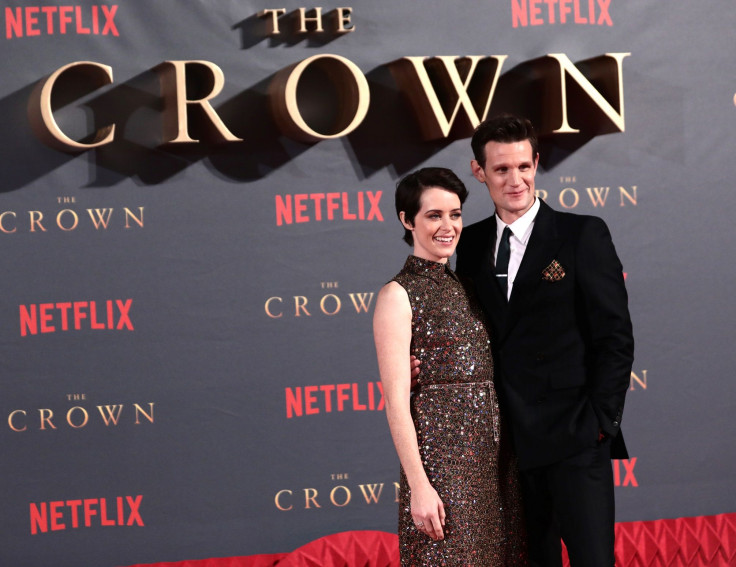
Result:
[[562, 342]]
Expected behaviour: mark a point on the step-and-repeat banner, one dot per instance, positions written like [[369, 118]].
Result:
[[197, 213]]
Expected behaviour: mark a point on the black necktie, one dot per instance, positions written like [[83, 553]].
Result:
[[502, 261]]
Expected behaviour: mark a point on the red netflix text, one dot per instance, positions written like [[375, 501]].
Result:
[[113, 314], [540, 12], [86, 513], [307, 207], [313, 400], [623, 472], [30, 21]]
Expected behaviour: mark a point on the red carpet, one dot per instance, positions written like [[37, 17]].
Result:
[[705, 541]]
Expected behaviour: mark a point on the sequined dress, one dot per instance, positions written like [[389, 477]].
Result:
[[459, 429]]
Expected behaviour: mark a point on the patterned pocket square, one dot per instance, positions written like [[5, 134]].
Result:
[[554, 272]]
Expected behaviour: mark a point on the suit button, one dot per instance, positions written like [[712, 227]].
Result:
[[615, 424]]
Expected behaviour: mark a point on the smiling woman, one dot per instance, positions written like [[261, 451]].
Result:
[[459, 500], [412, 197], [437, 226]]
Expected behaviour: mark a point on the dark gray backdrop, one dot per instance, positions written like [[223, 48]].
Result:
[[219, 454]]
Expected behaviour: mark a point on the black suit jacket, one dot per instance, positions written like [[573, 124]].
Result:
[[563, 344]]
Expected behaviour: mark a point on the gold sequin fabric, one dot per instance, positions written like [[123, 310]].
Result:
[[459, 429]]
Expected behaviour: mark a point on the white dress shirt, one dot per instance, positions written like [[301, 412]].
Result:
[[521, 230]]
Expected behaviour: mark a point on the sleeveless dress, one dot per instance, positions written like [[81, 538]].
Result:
[[459, 429]]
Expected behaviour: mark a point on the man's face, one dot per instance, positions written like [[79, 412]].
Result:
[[509, 175]]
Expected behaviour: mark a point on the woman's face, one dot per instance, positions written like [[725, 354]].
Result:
[[437, 226]]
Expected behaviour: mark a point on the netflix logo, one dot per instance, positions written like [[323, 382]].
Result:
[[113, 314], [31, 21], [328, 398], [549, 12], [623, 472], [310, 207], [85, 513]]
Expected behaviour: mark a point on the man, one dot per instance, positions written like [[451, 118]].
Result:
[[562, 342]]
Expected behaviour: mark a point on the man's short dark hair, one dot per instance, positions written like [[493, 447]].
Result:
[[504, 129], [409, 192]]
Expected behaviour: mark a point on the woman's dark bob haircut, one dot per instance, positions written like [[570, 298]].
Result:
[[409, 192]]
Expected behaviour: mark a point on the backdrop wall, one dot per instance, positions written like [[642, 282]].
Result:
[[187, 361]]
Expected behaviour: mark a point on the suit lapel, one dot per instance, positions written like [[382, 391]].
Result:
[[488, 290], [543, 243]]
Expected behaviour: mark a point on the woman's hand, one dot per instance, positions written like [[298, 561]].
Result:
[[428, 512]]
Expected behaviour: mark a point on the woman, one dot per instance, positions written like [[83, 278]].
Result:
[[459, 495]]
